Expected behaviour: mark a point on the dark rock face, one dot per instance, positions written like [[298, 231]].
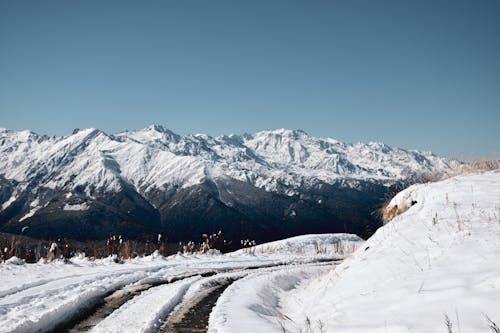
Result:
[[124, 213], [242, 211], [238, 209], [7, 187]]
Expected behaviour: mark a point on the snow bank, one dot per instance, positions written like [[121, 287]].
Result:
[[15, 261], [252, 303], [327, 244], [439, 257]]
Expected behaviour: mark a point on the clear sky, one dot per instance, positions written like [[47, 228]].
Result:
[[413, 74]]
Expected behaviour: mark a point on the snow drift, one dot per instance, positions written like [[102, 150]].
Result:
[[307, 245], [437, 261]]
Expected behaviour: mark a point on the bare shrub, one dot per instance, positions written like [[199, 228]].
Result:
[[33, 250], [345, 248], [320, 248], [282, 326], [308, 325], [114, 245], [53, 252], [248, 246], [214, 241], [321, 326]]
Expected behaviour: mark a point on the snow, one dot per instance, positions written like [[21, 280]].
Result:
[[328, 244], [252, 303], [76, 207], [15, 261], [37, 297], [438, 257], [142, 313], [155, 158], [34, 208], [9, 201], [29, 214]]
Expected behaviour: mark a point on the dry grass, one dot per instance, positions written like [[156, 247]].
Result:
[[390, 213], [449, 325], [492, 325], [387, 213], [476, 166]]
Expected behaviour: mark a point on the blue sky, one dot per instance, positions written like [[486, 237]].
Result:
[[414, 74]]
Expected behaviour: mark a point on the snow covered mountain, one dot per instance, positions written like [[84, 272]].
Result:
[[90, 184]]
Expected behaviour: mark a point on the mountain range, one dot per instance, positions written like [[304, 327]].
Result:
[[263, 186]]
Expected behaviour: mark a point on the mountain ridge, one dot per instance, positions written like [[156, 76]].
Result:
[[153, 172]]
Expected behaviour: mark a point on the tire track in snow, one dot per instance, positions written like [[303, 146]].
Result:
[[59, 301], [86, 320], [100, 308], [194, 317], [30, 288], [143, 313], [193, 313], [65, 302], [90, 317], [258, 296]]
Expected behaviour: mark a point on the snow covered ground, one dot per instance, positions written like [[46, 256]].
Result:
[[38, 297], [307, 245], [437, 258], [255, 301]]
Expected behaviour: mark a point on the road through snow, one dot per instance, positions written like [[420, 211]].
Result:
[[105, 296]]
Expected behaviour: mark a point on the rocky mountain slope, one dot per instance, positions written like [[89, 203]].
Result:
[[269, 185]]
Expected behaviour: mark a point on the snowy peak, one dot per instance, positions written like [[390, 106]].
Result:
[[151, 134], [283, 133], [154, 158]]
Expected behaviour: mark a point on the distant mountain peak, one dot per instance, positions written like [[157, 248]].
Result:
[[140, 175], [157, 128], [296, 133], [156, 156]]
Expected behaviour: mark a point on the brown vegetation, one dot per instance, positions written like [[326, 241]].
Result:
[[476, 166], [34, 250], [387, 213]]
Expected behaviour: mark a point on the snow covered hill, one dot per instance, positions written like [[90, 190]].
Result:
[[437, 261], [152, 178]]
